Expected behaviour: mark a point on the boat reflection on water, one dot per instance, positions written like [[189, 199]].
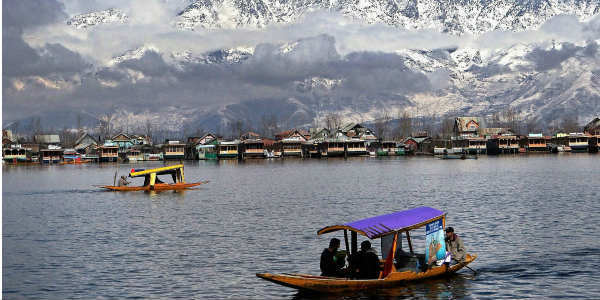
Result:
[[453, 286]]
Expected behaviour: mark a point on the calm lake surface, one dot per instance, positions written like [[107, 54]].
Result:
[[532, 220]]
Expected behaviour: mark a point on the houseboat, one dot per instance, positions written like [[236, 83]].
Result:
[[578, 142], [508, 144], [108, 152], [334, 148], [477, 145], [14, 154], [401, 264], [387, 148], [253, 148], [52, 155], [173, 150], [312, 149], [290, 147], [133, 155], [153, 156], [206, 152], [356, 147], [536, 142], [228, 150]]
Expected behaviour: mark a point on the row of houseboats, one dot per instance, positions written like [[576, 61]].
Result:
[[574, 142], [258, 148]]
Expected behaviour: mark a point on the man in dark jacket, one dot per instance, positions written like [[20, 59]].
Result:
[[366, 262], [455, 245], [329, 267]]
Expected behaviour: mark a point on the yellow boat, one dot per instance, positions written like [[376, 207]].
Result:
[[389, 227], [152, 183]]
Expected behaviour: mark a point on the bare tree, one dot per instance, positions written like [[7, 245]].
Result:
[[532, 125], [269, 125], [570, 123], [333, 122], [511, 118], [382, 125], [447, 128], [237, 128], [148, 129], [405, 125], [36, 125], [108, 123]]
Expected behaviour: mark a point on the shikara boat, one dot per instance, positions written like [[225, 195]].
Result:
[[397, 267], [152, 183]]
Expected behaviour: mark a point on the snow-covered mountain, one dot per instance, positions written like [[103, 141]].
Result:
[[456, 17], [112, 15], [540, 81]]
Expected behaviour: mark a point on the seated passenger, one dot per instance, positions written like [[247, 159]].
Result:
[[366, 262], [329, 266]]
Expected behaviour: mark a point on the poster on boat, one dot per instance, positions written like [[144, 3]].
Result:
[[435, 248]]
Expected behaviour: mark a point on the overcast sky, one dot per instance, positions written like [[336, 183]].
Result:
[[48, 65]]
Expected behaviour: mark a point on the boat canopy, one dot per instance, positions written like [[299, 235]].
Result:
[[174, 169], [376, 227]]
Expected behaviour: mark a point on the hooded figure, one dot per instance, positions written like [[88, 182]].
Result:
[[123, 181]]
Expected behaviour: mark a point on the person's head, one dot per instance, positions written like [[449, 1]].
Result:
[[123, 177], [334, 243], [365, 245], [449, 232]]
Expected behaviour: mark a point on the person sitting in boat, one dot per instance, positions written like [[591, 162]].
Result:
[[455, 246], [329, 265], [123, 181], [365, 263]]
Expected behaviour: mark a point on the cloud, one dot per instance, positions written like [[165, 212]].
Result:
[[547, 59], [359, 56], [31, 13]]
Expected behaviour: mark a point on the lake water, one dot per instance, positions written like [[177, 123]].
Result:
[[532, 220]]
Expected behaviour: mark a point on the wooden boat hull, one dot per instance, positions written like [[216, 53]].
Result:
[[338, 285], [157, 187]]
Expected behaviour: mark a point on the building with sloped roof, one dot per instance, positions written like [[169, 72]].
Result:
[[593, 127], [467, 126]]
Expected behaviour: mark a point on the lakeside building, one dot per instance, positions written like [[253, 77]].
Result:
[[228, 149], [467, 126], [578, 142], [173, 150], [593, 130], [508, 143], [289, 143], [108, 152], [537, 142], [253, 148]]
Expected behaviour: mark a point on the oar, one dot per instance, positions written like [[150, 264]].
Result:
[[474, 272]]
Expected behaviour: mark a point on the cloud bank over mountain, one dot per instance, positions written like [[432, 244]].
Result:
[[298, 63]]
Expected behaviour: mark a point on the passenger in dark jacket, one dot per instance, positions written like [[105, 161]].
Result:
[[366, 262], [329, 267]]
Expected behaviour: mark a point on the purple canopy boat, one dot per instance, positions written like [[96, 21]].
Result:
[[398, 265]]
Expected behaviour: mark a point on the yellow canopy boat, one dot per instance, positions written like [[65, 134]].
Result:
[[152, 183], [397, 267]]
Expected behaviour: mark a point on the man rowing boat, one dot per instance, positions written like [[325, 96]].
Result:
[[455, 246], [123, 181]]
